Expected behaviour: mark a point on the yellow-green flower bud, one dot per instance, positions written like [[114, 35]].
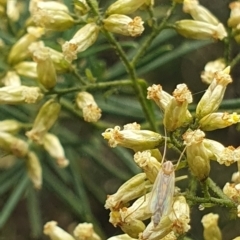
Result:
[[20, 94], [34, 169], [46, 117], [211, 229], [13, 10], [133, 228], [53, 146], [200, 30], [13, 145], [138, 210], [60, 64], [218, 120], [149, 3], [90, 109], [234, 19], [83, 39], [85, 231], [131, 189], [19, 51], [138, 140], [160, 97], [197, 154], [124, 6], [148, 163], [176, 112], [232, 190], [56, 233], [124, 25], [26, 69], [52, 15], [212, 98], [10, 126], [214, 148], [45, 68], [81, 6], [121, 237], [159, 232], [210, 68], [198, 12], [180, 216], [11, 79]]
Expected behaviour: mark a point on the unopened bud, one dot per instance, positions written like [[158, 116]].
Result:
[[131, 189], [200, 30], [60, 63], [19, 51], [210, 68], [198, 12], [47, 116], [34, 169], [148, 163], [121, 237], [124, 6], [132, 227], [13, 12], [83, 39], [27, 69], [53, 146], [45, 68], [160, 97], [138, 210], [11, 79], [212, 98], [13, 145], [85, 231], [124, 25], [90, 109], [20, 94], [81, 6], [10, 126], [210, 224], [180, 216], [176, 112], [214, 149], [218, 120], [56, 233], [234, 19], [138, 140], [52, 15], [163, 229], [197, 154]]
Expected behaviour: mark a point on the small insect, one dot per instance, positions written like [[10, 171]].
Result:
[[161, 198], [162, 193]]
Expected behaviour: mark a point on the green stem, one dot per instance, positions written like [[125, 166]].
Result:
[[234, 62], [132, 73], [217, 201], [218, 191], [90, 87], [152, 36], [205, 188]]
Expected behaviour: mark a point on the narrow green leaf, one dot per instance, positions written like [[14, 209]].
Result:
[[13, 200]]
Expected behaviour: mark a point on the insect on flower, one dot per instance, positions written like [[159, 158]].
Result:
[[161, 198]]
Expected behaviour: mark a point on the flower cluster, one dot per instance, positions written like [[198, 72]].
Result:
[[174, 215]]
